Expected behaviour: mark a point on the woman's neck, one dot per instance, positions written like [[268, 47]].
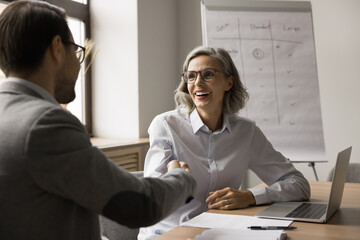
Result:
[[213, 120]]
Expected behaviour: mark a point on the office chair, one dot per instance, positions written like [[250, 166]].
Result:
[[353, 173], [114, 231]]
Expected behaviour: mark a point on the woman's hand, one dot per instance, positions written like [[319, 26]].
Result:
[[174, 164], [229, 198]]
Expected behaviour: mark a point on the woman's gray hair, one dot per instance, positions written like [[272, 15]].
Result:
[[234, 99]]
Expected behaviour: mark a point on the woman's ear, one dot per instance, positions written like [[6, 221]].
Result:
[[57, 48], [230, 83]]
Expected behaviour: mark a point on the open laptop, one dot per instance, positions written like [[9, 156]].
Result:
[[314, 212]]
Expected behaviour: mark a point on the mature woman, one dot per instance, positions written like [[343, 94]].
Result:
[[217, 144]]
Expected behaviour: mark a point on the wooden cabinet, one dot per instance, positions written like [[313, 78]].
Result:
[[128, 154]]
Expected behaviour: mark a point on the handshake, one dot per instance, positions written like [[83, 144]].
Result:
[[174, 164]]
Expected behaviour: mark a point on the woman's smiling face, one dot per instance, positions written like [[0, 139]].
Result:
[[208, 95]]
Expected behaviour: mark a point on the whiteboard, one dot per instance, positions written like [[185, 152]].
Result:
[[272, 45]]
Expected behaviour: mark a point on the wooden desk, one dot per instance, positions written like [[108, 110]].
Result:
[[344, 224]]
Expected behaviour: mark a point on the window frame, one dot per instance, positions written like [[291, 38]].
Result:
[[81, 12]]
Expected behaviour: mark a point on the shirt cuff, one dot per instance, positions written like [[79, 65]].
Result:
[[259, 195]]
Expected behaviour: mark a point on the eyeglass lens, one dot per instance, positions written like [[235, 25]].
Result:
[[80, 54]]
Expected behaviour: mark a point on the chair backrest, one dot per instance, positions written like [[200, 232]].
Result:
[[353, 173], [114, 231]]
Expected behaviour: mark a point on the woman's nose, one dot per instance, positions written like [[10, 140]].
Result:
[[199, 80]]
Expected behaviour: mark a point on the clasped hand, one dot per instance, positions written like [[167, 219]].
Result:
[[174, 164], [229, 198]]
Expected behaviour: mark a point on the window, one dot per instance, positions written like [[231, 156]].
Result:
[[2, 7], [79, 24], [76, 107]]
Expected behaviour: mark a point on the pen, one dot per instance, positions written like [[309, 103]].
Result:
[[271, 228]]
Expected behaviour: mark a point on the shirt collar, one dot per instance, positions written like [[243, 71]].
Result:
[[197, 123], [226, 123], [38, 89]]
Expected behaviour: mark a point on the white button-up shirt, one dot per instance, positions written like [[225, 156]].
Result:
[[217, 160]]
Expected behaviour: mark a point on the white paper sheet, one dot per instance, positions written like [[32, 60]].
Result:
[[275, 55], [228, 221]]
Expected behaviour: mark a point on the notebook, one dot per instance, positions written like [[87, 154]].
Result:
[[314, 212]]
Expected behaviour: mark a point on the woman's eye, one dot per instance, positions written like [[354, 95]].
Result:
[[191, 75], [208, 74]]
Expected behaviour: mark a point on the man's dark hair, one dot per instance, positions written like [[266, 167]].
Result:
[[26, 31]]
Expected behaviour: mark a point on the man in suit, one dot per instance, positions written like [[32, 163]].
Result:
[[53, 182]]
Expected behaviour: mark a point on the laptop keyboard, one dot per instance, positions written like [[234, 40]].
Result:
[[308, 210]]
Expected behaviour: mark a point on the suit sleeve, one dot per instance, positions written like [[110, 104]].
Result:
[[63, 162]]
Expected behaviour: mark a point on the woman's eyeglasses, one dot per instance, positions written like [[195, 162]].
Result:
[[207, 75]]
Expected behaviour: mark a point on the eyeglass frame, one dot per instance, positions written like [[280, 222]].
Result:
[[82, 49], [201, 76]]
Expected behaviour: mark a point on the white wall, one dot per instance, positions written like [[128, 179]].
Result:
[[169, 29], [337, 38], [189, 28], [158, 67], [115, 69], [136, 69]]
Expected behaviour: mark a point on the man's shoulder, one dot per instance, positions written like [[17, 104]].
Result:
[[34, 106], [32, 110], [23, 106]]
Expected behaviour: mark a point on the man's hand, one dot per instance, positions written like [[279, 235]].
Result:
[[174, 164], [229, 198]]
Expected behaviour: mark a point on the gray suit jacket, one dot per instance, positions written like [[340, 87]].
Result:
[[54, 183]]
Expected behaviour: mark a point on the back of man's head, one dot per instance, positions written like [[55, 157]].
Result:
[[26, 31]]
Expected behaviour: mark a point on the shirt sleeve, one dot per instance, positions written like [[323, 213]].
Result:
[[63, 163], [160, 152], [285, 183]]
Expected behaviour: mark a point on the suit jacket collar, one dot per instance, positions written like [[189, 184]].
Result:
[[14, 85]]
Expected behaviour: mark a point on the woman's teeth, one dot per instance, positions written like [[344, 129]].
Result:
[[202, 93]]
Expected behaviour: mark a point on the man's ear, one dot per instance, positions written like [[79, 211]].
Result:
[[57, 48]]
